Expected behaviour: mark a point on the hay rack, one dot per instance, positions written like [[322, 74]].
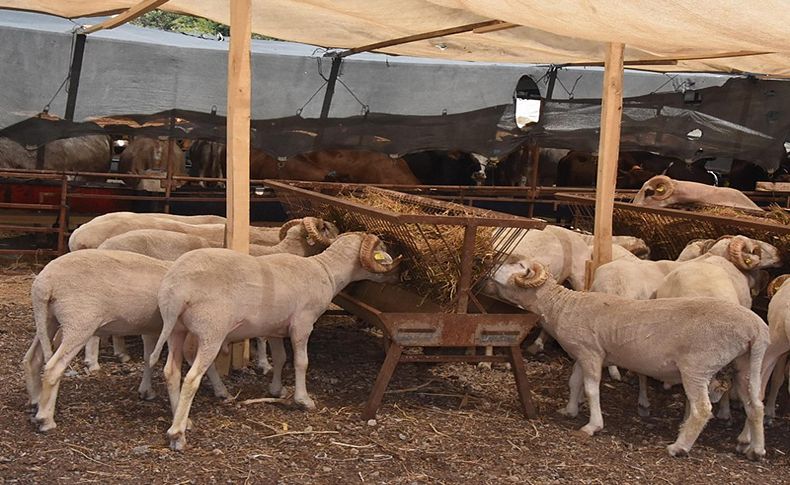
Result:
[[448, 249], [668, 230]]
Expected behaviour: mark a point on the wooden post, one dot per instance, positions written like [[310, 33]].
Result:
[[171, 155], [608, 154], [237, 227], [533, 157]]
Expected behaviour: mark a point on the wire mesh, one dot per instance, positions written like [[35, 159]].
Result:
[[428, 233], [668, 231]]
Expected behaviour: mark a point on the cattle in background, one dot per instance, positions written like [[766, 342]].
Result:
[[744, 175], [579, 169], [90, 153], [207, 159], [150, 156], [447, 167], [692, 172]]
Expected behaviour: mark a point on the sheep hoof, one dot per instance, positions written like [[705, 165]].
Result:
[[264, 366], [724, 415], [123, 358], [614, 373], [676, 450], [742, 447], [589, 429], [305, 402], [46, 425], [177, 441], [535, 349], [189, 425], [223, 394], [569, 413], [643, 411], [755, 455], [92, 368], [147, 394], [276, 390], [484, 365]]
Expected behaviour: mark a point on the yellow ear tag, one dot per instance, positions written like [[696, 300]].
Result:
[[382, 257], [748, 260], [660, 189]]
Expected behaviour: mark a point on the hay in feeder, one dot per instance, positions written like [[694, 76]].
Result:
[[432, 252], [774, 213]]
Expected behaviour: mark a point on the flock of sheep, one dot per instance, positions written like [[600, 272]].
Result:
[[167, 279]]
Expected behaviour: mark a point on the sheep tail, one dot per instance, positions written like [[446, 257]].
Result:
[[171, 309], [41, 296]]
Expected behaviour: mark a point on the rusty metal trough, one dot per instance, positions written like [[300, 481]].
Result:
[[410, 318]]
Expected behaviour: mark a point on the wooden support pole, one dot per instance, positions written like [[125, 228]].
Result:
[[237, 227], [608, 154]]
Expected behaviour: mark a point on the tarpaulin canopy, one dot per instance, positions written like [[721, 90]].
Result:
[[705, 35]]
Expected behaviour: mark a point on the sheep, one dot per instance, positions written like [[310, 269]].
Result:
[[87, 293], [93, 233], [670, 340], [662, 191], [768, 253], [124, 215], [80, 310], [223, 296], [779, 327]]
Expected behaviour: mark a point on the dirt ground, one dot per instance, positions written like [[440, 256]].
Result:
[[447, 423]]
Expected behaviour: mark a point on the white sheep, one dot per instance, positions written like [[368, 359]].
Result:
[[662, 191], [779, 327], [91, 293], [93, 233], [677, 340], [222, 296], [768, 253]]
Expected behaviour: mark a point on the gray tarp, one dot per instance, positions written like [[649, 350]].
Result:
[[412, 103]]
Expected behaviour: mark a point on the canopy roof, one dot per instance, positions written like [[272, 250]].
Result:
[[705, 35]]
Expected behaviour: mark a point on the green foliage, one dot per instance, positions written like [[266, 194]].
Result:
[[187, 24]]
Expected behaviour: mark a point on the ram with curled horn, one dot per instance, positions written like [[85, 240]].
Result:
[[662, 191], [667, 339]]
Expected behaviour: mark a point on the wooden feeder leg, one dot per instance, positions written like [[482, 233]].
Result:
[[608, 154], [522, 384], [382, 381], [237, 227]]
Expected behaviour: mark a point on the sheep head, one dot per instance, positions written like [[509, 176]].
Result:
[[284, 228], [637, 247], [319, 231], [374, 257], [744, 253], [775, 284], [655, 191]]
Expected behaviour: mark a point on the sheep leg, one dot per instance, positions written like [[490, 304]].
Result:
[[489, 351], [92, 354], [777, 379], [146, 389], [33, 363], [214, 378], [537, 346], [751, 441], [575, 383], [699, 406], [53, 372], [262, 360], [278, 359], [300, 333], [614, 373], [724, 411], [119, 348], [172, 370], [208, 349], [643, 407], [591, 369]]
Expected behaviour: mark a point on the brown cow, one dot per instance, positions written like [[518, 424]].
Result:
[[90, 153], [150, 156], [208, 160]]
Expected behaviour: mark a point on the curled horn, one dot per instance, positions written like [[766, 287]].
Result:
[[366, 250], [535, 276], [288, 225], [736, 255], [314, 227], [660, 187], [775, 284]]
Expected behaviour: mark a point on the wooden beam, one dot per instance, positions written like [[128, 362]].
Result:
[[674, 61], [425, 36], [608, 154], [126, 16], [494, 28], [237, 228]]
